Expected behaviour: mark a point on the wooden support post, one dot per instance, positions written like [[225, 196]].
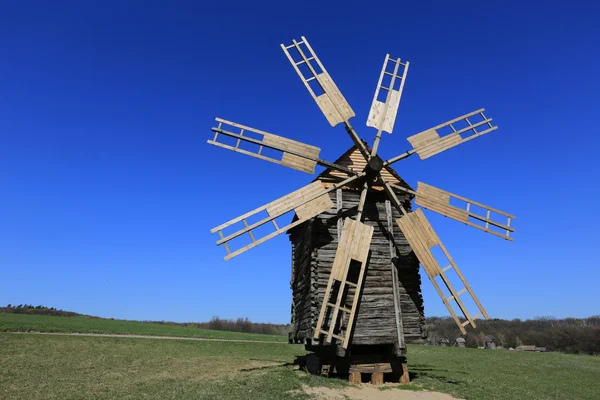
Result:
[[339, 203], [355, 377], [377, 378], [394, 272], [404, 378]]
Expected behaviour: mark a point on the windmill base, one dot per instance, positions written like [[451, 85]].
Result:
[[375, 368]]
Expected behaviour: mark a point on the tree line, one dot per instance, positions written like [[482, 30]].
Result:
[[568, 335], [216, 323], [38, 310]]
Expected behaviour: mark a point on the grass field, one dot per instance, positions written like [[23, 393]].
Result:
[[45, 323], [74, 367]]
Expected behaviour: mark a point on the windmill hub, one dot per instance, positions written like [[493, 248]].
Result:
[[373, 167]]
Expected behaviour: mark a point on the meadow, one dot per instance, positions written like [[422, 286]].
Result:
[[46, 323], [34, 366]]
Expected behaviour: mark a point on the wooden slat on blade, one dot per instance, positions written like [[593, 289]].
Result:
[[420, 241], [429, 142], [292, 151], [382, 114], [438, 200], [341, 253], [291, 201], [362, 244], [331, 102], [354, 244], [344, 110], [314, 207], [421, 237]]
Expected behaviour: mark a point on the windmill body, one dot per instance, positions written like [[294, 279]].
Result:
[[355, 237], [390, 313]]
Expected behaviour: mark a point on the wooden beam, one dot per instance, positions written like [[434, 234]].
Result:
[[422, 238], [394, 273], [439, 200], [429, 142]]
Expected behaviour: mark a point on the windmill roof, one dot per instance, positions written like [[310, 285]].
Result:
[[489, 337], [460, 340], [353, 159]]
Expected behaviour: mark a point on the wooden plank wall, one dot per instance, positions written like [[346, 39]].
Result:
[[315, 243]]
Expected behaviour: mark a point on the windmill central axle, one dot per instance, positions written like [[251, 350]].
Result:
[[374, 167]]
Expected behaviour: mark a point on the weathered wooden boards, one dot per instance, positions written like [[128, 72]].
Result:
[[354, 245], [354, 160], [315, 245], [306, 202], [429, 143], [438, 200], [292, 151], [422, 239], [331, 102], [383, 113]]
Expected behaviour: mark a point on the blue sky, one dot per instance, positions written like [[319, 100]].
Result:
[[108, 189]]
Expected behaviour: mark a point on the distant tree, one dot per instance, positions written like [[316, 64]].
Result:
[[501, 337]]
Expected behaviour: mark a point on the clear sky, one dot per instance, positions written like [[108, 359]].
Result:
[[108, 190]]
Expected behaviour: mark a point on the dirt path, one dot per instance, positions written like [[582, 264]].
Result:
[[368, 392], [116, 335]]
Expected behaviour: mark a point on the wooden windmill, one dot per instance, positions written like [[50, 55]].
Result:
[[338, 310]]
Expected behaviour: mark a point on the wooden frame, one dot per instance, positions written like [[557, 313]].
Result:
[[331, 102], [306, 202], [422, 238], [353, 245], [382, 115], [294, 154], [438, 200], [429, 143]]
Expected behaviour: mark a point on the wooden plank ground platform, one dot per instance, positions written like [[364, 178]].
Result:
[[359, 371]]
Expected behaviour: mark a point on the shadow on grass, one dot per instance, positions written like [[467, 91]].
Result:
[[417, 371], [264, 367]]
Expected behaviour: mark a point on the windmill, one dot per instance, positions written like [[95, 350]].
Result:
[[311, 200]]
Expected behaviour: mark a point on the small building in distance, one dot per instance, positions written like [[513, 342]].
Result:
[[489, 342], [443, 342], [460, 342]]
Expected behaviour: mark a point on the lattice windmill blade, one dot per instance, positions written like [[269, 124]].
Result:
[[354, 245], [294, 154], [422, 238], [387, 95], [306, 202], [429, 143], [318, 82], [439, 201]]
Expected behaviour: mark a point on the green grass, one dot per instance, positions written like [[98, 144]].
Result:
[[503, 374], [47, 323], [76, 367]]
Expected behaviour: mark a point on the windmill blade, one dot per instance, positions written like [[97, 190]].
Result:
[[294, 154], [422, 238], [318, 82], [429, 143], [354, 245], [387, 95], [439, 201], [305, 202]]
